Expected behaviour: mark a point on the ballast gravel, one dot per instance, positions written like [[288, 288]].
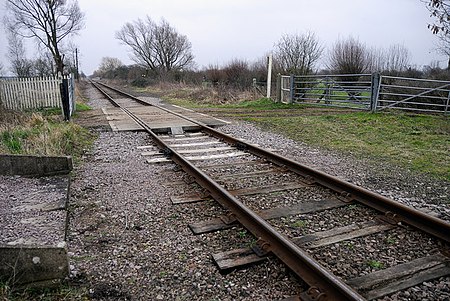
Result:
[[128, 242]]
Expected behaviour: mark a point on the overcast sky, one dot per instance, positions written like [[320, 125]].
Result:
[[221, 30]]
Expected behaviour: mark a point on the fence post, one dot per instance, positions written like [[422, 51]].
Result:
[[374, 91], [278, 97], [291, 88], [446, 111], [64, 89]]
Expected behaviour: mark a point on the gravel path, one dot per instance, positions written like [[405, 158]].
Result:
[[128, 242]]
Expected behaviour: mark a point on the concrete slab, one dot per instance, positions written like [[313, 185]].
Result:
[[159, 120], [34, 165], [33, 221]]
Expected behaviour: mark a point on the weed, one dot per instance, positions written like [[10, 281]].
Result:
[[12, 142], [375, 264], [391, 240], [349, 245], [252, 243], [81, 107], [242, 233], [173, 216], [352, 207], [299, 224]]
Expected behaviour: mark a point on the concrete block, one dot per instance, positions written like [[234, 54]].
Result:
[[33, 225], [30, 264], [34, 165]]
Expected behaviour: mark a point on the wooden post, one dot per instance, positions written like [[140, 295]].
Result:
[[269, 75], [278, 98]]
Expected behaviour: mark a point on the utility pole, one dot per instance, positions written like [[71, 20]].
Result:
[[269, 74], [77, 75]]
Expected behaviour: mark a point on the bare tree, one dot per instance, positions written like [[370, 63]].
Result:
[[298, 54], [440, 10], [392, 60], [109, 64], [158, 47], [48, 21], [349, 56], [43, 65], [20, 65], [398, 58]]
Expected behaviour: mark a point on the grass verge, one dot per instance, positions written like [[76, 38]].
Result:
[[418, 142], [42, 133]]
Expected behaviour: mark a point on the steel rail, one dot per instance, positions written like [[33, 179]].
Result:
[[401, 213], [323, 284]]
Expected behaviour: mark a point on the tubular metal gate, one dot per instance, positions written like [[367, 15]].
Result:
[[373, 92], [413, 94]]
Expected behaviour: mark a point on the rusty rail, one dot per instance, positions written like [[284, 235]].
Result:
[[399, 212], [323, 284]]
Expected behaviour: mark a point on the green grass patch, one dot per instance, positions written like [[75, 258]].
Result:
[[81, 107], [375, 264], [418, 142]]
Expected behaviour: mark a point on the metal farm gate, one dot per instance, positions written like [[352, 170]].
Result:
[[373, 92]]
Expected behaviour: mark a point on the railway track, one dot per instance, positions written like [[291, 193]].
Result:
[[287, 207]]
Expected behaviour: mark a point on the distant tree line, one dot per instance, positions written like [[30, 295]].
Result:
[[161, 53], [298, 54]]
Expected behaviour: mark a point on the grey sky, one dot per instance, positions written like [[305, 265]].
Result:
[[221, 30]]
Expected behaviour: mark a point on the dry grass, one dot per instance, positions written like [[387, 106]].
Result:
[[202, 95], [40, 133]]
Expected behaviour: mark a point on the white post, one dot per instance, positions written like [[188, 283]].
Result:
[[269, 75]]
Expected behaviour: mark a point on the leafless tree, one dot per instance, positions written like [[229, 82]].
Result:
[[109, 64], [440, 10], [158, 47], [299, 53], [20, 65], [349, 56], [392, 60], [43, 65], [398, 58], [48, 21]]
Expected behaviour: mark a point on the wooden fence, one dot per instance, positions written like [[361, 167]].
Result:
[[30, 93]]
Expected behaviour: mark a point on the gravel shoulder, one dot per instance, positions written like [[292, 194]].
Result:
[[128, 242]]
